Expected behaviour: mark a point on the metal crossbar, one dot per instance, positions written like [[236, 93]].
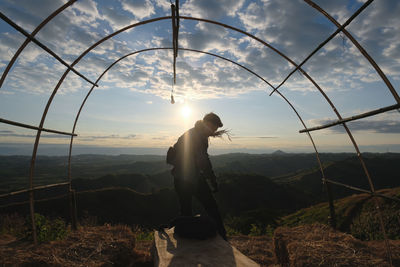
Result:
[[356, 117], [23, 125], [325, 42], [48, 50], [33, 189]]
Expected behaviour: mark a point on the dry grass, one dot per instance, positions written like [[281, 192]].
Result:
[[257, 248], [89, 246], [308, 245], [319, 245]]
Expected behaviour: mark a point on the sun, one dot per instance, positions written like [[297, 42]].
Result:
[[186, 111]]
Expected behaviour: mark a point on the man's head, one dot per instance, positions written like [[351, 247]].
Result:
[[212, 122]]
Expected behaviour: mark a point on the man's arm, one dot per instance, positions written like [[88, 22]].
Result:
[[204, 164]]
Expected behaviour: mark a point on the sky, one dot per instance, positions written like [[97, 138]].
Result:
[[131, 107]]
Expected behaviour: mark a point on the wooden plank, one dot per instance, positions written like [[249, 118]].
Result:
[[171, 250]]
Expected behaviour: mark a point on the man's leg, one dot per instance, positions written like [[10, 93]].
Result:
[[184, 197], [204, 195]]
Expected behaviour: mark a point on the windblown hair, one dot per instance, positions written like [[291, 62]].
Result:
[[220, 134]]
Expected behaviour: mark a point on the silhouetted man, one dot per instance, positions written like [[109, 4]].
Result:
[[192, 167]]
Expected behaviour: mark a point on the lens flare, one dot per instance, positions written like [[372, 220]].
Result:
[[186, 111]]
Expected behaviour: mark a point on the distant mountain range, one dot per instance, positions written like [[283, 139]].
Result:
[[25, 149], [14, 170], [254, 189]]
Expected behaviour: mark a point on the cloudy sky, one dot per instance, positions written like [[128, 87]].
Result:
[[131, 106]]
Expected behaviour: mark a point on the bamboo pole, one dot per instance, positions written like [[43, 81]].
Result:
[[360, 48], [174, 40], [33, 189], [356, 117], [355, 14], [329, 194], [45, 48], [362, 190], [61, 80], [73, 213], [32, 213], [27, 40], [34, 127]]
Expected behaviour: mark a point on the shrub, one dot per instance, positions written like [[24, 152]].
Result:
[[143, 234], [366, 226], [47, 229], [13, 224], [255, 230]]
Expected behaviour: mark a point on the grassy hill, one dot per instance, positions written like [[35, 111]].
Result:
[[383, 170], [356, 214]]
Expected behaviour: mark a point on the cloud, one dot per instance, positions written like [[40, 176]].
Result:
[[22, 14], [30, 78], [139, 8], [165, 5], [94, 138], [87, 8], [253, 137], [9, 45], [115, 18], [279, 23], [211, 8]]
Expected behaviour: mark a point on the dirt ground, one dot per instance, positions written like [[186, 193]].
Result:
[[89, 246], [117, 246]]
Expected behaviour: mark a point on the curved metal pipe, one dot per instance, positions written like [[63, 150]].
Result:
[[27, 40], [359, 47]]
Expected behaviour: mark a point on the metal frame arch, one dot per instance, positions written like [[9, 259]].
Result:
[[330, 200], [27, 40]]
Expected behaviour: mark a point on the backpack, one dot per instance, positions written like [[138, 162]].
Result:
[[194, 227], [174, 153], [172, 156]]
